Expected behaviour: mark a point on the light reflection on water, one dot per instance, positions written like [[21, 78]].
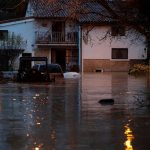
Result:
[[37, 148], [68, 116], [129, 137]]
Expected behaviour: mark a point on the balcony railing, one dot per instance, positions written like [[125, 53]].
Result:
[[56, 38]]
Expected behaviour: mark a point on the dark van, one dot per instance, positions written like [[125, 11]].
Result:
[[54, 70]]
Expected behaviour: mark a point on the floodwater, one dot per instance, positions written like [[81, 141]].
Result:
[[67, 115]]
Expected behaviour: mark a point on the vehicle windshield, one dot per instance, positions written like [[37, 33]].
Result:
[[52, 68]]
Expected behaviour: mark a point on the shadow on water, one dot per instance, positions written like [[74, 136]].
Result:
[[68, 116]]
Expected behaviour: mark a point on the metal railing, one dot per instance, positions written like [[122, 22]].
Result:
[[56, 37]]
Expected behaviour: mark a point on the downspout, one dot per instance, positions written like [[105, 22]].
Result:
[[80, 70], [80, 51]]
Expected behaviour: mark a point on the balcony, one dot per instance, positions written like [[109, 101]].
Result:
[[56, 38]]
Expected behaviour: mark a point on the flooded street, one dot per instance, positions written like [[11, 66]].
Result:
[[67, 115]]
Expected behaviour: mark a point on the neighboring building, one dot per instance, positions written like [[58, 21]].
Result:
[[111, 54], [76, 45], [106, 45]]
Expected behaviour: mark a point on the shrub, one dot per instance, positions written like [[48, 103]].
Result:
[[139, 69]]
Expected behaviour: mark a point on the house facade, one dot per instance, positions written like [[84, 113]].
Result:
[[55, 39], [56, 36], [101, 52], [76, 45]]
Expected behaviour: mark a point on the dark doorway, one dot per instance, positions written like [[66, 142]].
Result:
[[58, 30], [58, 26], [26, 64], [4, 62], [59, 57]]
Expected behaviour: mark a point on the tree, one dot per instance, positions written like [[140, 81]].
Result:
[[144, 14], [10, 9], [11, 47]]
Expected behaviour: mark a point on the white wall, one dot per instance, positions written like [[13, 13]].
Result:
[[96, 48], [24, 28]]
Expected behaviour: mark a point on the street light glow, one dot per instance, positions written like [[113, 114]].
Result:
[[129, 138]]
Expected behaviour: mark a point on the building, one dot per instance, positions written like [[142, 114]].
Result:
[[88, 43]]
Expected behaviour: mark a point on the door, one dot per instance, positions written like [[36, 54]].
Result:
[[4, 62], [59, 57]]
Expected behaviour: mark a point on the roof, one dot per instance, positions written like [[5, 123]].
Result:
[[51, 9], [15, 20], [94, 12], [91, 11]]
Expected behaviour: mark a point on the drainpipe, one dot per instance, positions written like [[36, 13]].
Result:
[[80, 50]]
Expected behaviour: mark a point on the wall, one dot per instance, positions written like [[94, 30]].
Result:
[[24, 28], [96, 53]]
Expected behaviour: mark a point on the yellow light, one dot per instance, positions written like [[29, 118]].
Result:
[[129, 138], [38, 147], [128, 145]]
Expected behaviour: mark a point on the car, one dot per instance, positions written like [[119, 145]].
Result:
[[54, 70]]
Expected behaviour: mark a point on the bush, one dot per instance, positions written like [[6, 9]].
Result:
[[139, 69]]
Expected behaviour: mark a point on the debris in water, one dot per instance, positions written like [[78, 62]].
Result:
[[109, 101]]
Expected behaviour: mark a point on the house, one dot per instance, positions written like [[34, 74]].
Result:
[[106, 45], [113, 53], [46, 35], [89, 43]]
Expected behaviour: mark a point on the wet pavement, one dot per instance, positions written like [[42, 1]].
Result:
[[67, 115]]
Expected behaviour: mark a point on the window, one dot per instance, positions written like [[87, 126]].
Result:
[[119, 53], [3, 34], [117, 30]]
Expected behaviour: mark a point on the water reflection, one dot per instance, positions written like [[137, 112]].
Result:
[[61, 116], [108, 120], [129, 137], [39, 117]]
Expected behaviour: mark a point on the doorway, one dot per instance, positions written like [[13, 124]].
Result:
[[59, 57], [58, 31], [4, 63]]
